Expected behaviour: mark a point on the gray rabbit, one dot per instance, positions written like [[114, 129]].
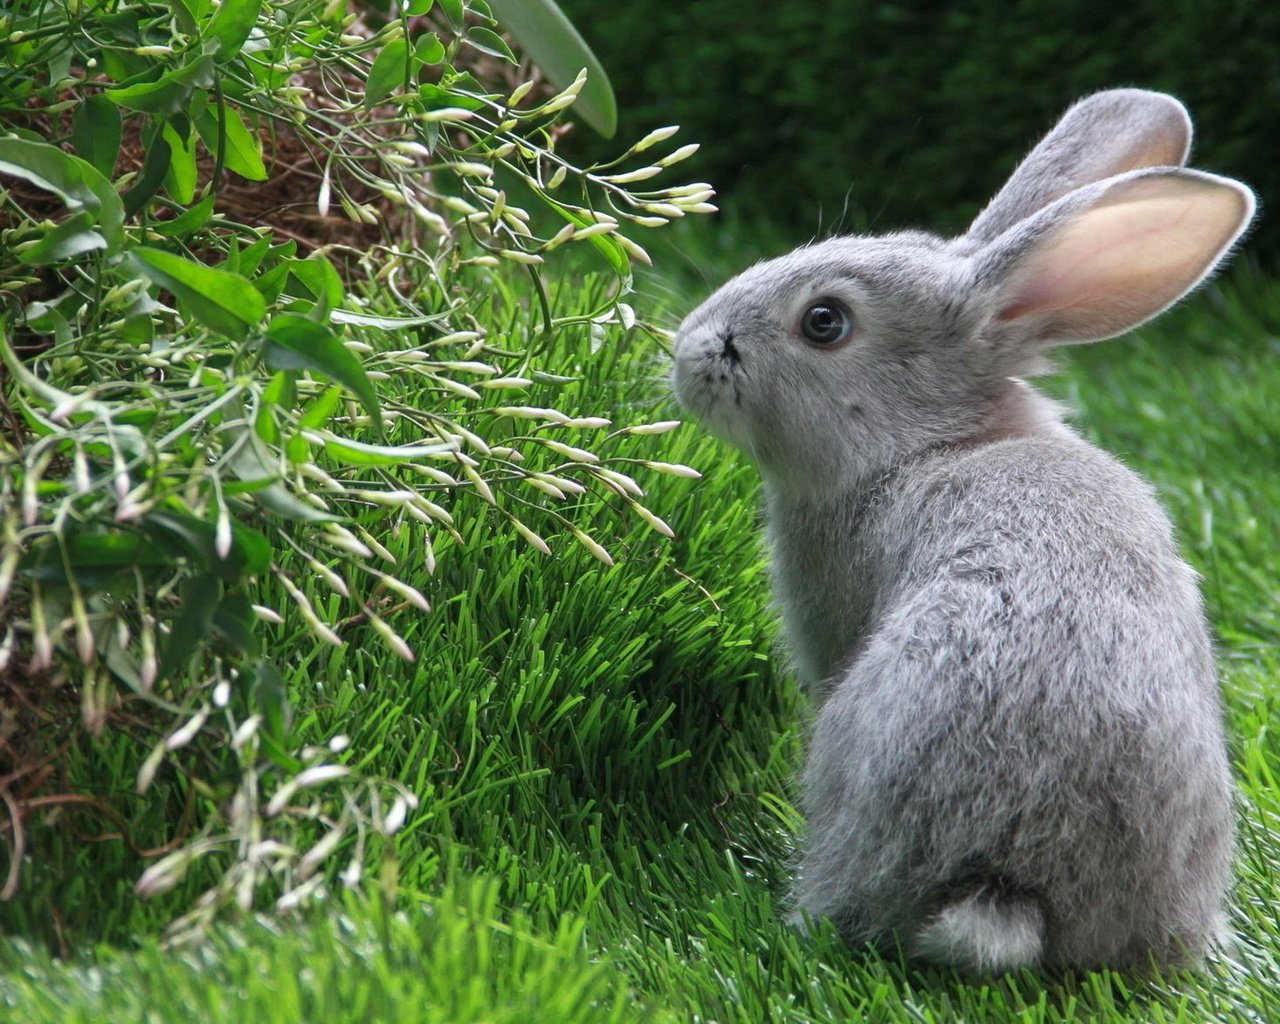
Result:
[[1018, 754]]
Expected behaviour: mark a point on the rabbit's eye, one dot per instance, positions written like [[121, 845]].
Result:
[[826, 323]]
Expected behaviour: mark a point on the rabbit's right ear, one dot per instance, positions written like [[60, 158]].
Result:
[[1107, 257], [1101, 136]]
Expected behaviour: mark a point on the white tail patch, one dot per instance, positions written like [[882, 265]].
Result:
[[983, 934]]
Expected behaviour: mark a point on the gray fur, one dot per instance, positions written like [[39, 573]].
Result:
[[1018, 752]]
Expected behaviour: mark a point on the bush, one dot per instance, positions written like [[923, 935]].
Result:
[[271, 304], [878, 115]]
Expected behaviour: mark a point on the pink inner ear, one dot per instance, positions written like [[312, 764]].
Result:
[[1140, 247]]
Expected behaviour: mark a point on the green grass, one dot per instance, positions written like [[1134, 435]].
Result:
[[605, 759]]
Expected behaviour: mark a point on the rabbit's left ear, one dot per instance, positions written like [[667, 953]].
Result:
[[1103, 135], [1109, 256]]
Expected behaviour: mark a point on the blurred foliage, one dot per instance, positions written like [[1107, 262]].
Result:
[[871, 115]]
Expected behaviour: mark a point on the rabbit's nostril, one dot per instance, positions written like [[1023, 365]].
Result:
[[730, 350]]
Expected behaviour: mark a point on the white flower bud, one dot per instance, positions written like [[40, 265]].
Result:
[[570, 452], [182, 736], [245, 731], [447, 114], [394, 820], [640, 174], [533, 539], [391, 637], [164, 874], [665, 209], [654, 137], [472, 168], [676, 155], [633, 250], [519, 256], [595, 549], [673, 469]]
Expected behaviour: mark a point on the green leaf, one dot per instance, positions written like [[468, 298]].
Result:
[[122, 65], [180, 179], [73, 237], [222, 301], [95, 133], [186, 223], [270, 283], [387, 323], [36, 313], [297, 343], [320, 409], [429, 49], [45, 319], [186, 15], [95, 558], [551, 42], [243, 153], [234, 622], [388, 72], [488, 41], [116, 549], [269, 694], [318, 280], [264, 424], [254, 464], [231, 24], [250, 258], [244, 149], [59, 57], [76, 182], [250, 552], [611, 250], [454, 10], [434, 96], [191, 626], [162, 96], [357, 453], [138, 330], [230, 487], [297, 449], [154, 170], [198, 73], [417, 8], [249, 555], [121, 662]]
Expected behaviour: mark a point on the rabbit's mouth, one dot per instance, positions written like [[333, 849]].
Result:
[[708, 379]]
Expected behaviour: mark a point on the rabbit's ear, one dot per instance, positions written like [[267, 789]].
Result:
[[1101, 136], [1109, 256]]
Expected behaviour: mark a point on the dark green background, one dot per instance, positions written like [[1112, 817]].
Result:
[[866, 115]]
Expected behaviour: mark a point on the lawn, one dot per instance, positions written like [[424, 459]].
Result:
[[605, 755]]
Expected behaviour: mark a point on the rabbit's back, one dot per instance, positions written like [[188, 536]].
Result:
[[1020, 695]]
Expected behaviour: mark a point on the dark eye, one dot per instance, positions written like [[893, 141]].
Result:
[[826, 323]]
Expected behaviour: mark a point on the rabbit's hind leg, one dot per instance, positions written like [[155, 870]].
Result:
[[985, 932]]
